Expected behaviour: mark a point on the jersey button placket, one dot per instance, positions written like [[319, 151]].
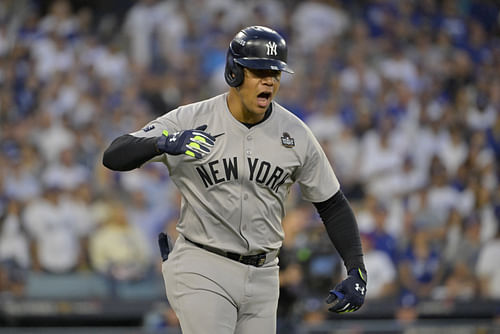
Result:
[[248, 149]]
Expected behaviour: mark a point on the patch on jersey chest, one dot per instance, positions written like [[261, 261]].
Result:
[[287, 141]]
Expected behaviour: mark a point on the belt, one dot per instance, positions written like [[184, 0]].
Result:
[[257, 260]]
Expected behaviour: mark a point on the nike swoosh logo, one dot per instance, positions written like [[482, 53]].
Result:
[[220, 134]]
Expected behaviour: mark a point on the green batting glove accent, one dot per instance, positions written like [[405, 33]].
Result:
[[194, 145], [165, 133], [191, 154], [361, 275], [200, 138]]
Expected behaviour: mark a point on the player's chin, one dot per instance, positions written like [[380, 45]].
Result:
[[260, 109]]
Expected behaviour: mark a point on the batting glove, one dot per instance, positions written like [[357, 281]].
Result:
[[195, 143], [348, 295]]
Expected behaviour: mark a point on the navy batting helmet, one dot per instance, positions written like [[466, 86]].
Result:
[[255, 47]]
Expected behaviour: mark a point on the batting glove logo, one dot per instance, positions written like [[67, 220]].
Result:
[[359, 288]]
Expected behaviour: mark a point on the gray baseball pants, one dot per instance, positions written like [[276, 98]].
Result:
[[215, 295]]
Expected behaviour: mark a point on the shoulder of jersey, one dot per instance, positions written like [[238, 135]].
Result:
[[288, 116], [199, 106]]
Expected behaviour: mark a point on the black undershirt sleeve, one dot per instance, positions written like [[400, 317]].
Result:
[[128, 152], [342, 228]]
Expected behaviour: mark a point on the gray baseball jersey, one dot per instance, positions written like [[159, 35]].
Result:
[[233, 198]]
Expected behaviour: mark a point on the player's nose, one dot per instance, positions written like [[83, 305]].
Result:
[[269, 80]]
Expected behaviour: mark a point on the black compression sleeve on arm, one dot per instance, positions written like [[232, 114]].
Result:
[[128, 152], [342, 229]]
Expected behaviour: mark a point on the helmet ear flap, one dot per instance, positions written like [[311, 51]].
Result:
[[233, 72]]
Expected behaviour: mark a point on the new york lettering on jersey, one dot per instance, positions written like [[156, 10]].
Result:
[[226, 169]]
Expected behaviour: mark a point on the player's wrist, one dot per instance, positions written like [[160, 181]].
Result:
[[359, 272], [161, 142]]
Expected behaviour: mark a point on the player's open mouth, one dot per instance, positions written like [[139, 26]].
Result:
[[263, 99]]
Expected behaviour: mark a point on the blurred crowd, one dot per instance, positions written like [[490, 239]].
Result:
[[404, 96]]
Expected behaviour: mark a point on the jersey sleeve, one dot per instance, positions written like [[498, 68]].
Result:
[[155, 128], [316, 177]]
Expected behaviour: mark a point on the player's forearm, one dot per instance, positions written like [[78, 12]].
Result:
[[342, 228], [128, 152]]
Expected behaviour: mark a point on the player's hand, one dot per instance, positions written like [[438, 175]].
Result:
[[196, 143], [348, 295]]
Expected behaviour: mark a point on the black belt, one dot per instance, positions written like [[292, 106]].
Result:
[[257, 260]]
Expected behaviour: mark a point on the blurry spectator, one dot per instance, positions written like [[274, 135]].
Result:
[[117, 249], [67, 94], [441, 196], [55, 234], [459, 74], [493, 137], [481, 158], [112, 64], [14, 244], [315, 22], [294, 258], [452, 21], [345, 155], [171, 31], [420, 268], [454, 236], [381, 239], [461, 254], [486, 213], [80, 202], [481, 114], [382, 270], [52, 54], [5, 42], [429, 138], [461, 283], [138, 27], [59, 19], [326, 122], [358, 76], [487, 270], [406, 180], [269, 13], [20, 182], [161, 318], [380, 157], [65, 172], [406, 312], [454, 150], [148, 219], [397, 67], [365, 211], [155, 29], [14, 250], [52, 137]]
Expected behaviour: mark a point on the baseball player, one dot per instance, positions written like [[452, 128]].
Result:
[[234, 157]]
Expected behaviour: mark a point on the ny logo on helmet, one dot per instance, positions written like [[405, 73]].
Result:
[[271, 48]]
